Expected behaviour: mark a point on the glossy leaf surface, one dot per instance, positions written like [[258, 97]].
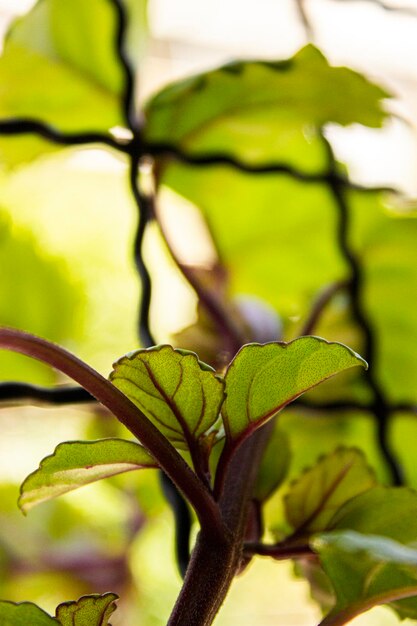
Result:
[[78, 463], [91, 610], [320, 491], [177, 392], [24, 614], [263, 378], [367, 570], [263, 111]]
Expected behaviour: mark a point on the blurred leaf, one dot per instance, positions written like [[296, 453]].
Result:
[[319, 492], [177, 392], [387, 511], [257, 242], [354, 563], [386, 243], [91, 610], [78, 463], [263, 378], [264, 111], [274, 465], [24, 614], [25, 303], [60, 66]]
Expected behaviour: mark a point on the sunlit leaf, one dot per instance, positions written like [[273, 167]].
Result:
[[365, 571], [23, 614], [78, 463], [274, 465], [314, 498], [177, 392], [54, 312], [91, 610], [263, 378], [387, 511], [264, 111], [60, 66]]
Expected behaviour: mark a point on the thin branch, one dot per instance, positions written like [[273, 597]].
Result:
[[323, 299], [280, 551], [226, 326], [23, 126], [381, 407], [12, 392]]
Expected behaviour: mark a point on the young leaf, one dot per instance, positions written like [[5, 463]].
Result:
[[365, 571], [91, 610], [274, 465], [177, 392], [259, 111], [262, 379], [24, 614], [78, 463], [321, 491]]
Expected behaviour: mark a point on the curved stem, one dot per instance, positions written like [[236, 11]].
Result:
[[127, 413], [280, 551]]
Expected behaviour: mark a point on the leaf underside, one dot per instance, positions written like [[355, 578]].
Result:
[[78, 463], [320, 491], [366, 571]]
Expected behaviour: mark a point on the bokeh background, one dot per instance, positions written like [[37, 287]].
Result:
[[67, 226]]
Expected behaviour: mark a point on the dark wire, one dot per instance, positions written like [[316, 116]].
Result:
[[380, 405], [182, 517]]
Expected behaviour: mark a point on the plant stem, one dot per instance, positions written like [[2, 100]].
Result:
[[280, 551], [209, 576], [214, 564], [128, 414]]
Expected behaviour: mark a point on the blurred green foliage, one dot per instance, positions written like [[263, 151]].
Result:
[[277, 238]]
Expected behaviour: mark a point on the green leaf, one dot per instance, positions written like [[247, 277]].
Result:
[[259, 111], [365, 571], [25, 270], [274, 465], [60, 66], [263, 378], [387, 511], [91, 610], [24, 614], [177, 392], [319, 493], [256, 243], [78, 463]]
